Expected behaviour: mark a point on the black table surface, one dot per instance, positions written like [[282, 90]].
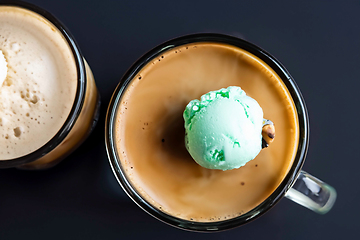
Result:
[[317, 41]]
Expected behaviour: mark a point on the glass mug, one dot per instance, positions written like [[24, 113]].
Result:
[[297, 185], [84, 112]]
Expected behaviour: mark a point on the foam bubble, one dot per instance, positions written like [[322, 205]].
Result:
[[17, 132]]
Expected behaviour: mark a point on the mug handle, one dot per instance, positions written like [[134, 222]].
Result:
[[312, 193]]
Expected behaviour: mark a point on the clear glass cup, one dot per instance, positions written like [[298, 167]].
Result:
[[83, 115], [297, 185]]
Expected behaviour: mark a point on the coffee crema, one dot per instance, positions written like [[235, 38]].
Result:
[[39, 90], [149, 132]]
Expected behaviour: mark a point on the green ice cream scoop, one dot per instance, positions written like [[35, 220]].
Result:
[[223, 129]]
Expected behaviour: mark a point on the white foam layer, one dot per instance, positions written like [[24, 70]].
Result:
[[3, 68], [39, 90]]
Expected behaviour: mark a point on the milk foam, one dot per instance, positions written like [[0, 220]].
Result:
[[39, 89]]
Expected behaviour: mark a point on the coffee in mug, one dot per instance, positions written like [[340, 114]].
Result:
[[48, 97]]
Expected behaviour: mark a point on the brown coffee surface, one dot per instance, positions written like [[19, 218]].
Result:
[[149, 132]]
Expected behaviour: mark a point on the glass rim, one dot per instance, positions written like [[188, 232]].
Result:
[[80, 90], [268, 203]]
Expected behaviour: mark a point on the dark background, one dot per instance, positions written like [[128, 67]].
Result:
[[318, 42]]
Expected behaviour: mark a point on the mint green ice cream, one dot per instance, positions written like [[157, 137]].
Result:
[[223, 129]]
